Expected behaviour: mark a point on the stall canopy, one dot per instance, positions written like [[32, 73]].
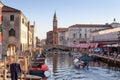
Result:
[[112, 45], [86, 45]]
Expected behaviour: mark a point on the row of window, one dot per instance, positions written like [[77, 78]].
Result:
[[82, 30], [12, 33], [11, 18], [23, 21], [74, 42], [80, 35], [74, 36]]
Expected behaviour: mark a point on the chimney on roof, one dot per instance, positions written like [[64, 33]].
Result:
[[114, 20], [106, 23]]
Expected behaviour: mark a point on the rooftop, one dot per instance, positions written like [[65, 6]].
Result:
[[9, 9], [90, 25]]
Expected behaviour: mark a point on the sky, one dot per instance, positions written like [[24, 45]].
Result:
[[69, 12]]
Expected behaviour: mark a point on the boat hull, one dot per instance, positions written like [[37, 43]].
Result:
[[37, 73]]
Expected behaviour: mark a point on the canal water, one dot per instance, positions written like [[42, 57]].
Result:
[[61, 68]]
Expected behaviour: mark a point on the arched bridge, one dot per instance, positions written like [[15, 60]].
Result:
[[55, 47]]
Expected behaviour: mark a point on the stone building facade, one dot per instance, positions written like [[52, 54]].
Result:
[[107, 36], [30, 36], [80, 33], [49, 39], [75, 34], [15, 31], [33, 29], [63, 36]]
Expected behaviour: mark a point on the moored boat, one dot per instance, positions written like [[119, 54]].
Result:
[[82, 61], [39, 68], [80, 64]]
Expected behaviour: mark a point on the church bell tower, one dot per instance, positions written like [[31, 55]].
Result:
[[55, 30]]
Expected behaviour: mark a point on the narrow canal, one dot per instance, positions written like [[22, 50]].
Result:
[[61, 66]]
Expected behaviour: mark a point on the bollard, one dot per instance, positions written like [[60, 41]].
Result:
[[4, 71], [25, 67], [5, 62], [21, 77], [15, 58], [4, 74], [28, 60]]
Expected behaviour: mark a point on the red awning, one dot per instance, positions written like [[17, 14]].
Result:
[[86, 45], [93, 45]]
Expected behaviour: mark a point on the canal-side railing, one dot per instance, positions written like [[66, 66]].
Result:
[[111, 61]]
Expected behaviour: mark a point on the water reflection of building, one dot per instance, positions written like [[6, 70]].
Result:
[[55, 62], [64, 61], [61, 62], [98, 64]]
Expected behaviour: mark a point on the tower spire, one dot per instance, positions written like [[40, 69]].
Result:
[[55, 18], [55, 14], [55, 21]]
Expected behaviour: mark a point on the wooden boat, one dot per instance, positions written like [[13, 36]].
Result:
[[37, 73], [40, 73], [39, 68]]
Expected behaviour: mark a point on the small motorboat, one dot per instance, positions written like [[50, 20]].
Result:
[[41, 73], [80, 64], [39, 68], [37, 73]]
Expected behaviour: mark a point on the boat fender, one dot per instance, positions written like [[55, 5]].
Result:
[[47, 73]]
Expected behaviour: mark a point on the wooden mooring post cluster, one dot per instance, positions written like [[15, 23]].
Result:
[[5, 73]]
